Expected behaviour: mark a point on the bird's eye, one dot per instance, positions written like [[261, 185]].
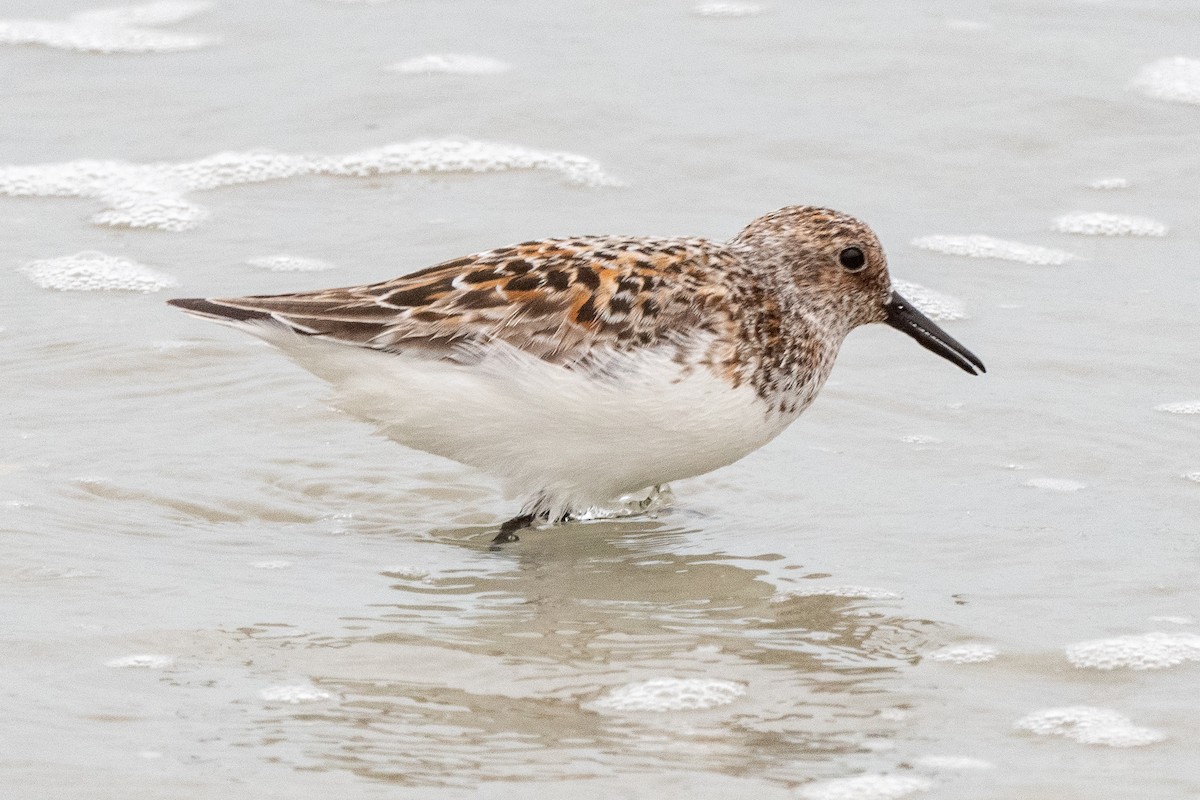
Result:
[[852, 258]]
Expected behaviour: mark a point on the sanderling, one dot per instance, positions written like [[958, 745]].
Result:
[[581, 370]]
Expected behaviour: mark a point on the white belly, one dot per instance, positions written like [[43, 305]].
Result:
[[579, 439]]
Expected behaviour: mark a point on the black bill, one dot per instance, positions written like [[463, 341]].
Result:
[[903, 316]]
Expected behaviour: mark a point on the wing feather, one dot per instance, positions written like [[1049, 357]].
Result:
[[559, 300]]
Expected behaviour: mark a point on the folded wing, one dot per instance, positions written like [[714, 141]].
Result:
[[556, 299]]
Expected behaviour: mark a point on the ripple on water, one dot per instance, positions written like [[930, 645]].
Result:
[[1099, 223], [953, 763], [980, 246], [452, 64], [1055, 484], [92, 271], [1155, 650], [670, 694], [853, 592], [1174, 79], [866, 787], [111, 30], [153, 195], [141, 661], [728, 10], [1089, 725]]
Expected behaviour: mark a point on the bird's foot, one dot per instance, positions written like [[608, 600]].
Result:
[[508, 530]]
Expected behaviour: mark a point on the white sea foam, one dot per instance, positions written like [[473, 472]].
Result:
[[1089, 725], [866, 787], [965, 654], [1109, 183], [271, 564], [1055, 484], [935, 305], [1174, 620], [952, 763], [980, 246], [855, 592], [286, 263], [451, 63], [728, 9], [917, 438], [1156, 650], [293, 694], [670, 694], [1186, 407], [406, 572], [1193, 476], [1175, 79], [92, 271], [141, 661], [154, 195], [111, 30], [1099, 223]]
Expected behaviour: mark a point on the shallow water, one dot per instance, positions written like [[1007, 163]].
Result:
[[180, 493]]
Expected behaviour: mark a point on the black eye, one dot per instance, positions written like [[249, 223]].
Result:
[[852, 259]]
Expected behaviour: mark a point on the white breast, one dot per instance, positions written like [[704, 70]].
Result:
[[582, 440]]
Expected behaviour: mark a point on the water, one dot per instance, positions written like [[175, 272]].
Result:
[[211, 583]]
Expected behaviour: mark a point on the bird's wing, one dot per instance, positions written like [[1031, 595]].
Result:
[[559, 300]]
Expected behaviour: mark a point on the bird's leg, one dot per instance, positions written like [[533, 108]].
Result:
[[508, 530]]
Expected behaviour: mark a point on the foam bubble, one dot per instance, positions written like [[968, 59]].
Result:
[[92, 271], [855, 592], [728, 9], [1088, 725], [980, 246], [142, 661], [1098, 223], [935, 305], [671, 694], [1055, 484], [1109, 183], [1193, 476], [153, 195], [919, 439], [1175, 79], [285, 263], [451, 63], [293, 694], [406, 572], [866, 787], [111, 30], [965, 654], [1146, 651], [1187, 407], [954, 763]]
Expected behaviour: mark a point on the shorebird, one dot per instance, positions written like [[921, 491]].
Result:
[[582, 370]]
